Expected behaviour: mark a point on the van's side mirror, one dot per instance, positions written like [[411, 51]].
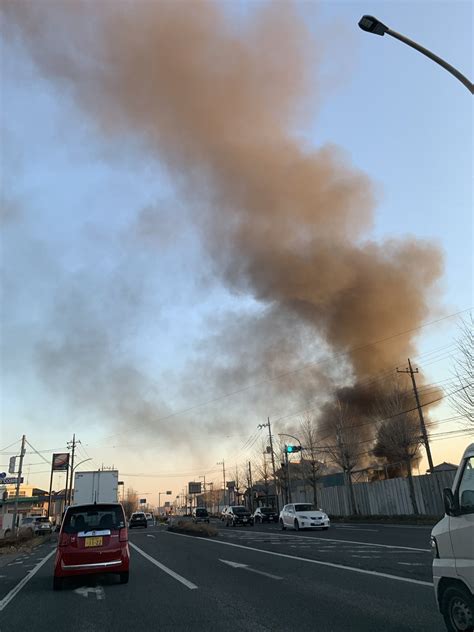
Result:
[[450, 504]]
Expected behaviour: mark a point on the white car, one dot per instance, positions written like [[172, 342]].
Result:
[[303, 516]]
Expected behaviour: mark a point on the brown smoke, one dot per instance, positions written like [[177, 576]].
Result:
[[219, 101]]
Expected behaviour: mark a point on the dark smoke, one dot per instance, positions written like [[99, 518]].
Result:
[[218, 100]]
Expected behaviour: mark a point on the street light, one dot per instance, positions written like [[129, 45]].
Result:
[[372, 25]]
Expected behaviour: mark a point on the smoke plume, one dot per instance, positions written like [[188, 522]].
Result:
[[220, 99]]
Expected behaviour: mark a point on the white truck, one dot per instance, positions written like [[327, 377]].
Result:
[[100, 486], [452, 542]]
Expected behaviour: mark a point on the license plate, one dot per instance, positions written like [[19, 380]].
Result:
[[93, 542]]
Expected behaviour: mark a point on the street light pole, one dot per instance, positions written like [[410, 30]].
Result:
[[287, 463], [372, 25]]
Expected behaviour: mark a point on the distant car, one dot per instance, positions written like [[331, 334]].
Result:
[[265, 514], [138, 519], [303, 516], [93, 539], [238, 514], [39, 525], [200, 514], [149, 518]]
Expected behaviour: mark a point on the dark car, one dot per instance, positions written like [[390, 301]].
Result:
[[138, 519], [93, 539], [265, 514], [200, 514], [238, 514]]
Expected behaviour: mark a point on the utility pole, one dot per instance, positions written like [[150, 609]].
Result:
[[424, 434], [223, 474], [72, 446], [269, 426], [251, 487], [18, 482]]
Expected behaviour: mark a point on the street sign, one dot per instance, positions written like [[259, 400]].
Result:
[[10, 480], [142, 501], [194, 488], [169, 493]]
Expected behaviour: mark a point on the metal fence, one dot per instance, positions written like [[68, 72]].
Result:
[[385, 498]]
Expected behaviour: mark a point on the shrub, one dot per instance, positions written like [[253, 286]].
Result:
[[186, 526]]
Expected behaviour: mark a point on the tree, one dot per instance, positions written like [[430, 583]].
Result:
[[130, 502], [342, 443], [263, 470], [311, 463], [398, 437], [463, 400]]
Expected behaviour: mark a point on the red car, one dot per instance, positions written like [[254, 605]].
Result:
[[93, 539]]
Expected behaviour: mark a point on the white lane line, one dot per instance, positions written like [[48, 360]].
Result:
[[148, 535], [246, 567], [14, 563], [383, 546], [164, 568], [363, 571], [14, 591], [411, 563], [357, 529]]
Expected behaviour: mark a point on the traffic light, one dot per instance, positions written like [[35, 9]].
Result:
[[293, 448]]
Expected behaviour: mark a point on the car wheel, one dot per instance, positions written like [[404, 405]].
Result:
[[57, 583], [297, 525], [124, 577], [282, 526], [457, 607]]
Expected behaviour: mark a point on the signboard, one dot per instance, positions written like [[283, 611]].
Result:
[[142, 501], [194, 488], [60, 462], [169, 493], [167, 503], [10, 480], [12, 465]]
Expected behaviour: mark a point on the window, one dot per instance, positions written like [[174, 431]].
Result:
[[93, 518], [466, 487]]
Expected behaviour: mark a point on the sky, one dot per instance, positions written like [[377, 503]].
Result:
[[196, 237]]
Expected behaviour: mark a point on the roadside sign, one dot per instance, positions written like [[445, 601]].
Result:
[[194, 488], [142, 501], [60, 462], [11, 480], [169, 493]]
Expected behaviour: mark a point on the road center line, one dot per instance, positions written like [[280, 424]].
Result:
[[164, 568], [14, 591], [363, 571]]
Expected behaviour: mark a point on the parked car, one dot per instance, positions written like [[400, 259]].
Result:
[[452, 542], [93, 539], [238, 514], [265, 514], [200, 514], [303, 516], [138, 519], [149, 519], [39, 525]]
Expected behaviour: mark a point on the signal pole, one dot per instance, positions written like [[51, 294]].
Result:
[[18, 482], [424, 434], [223, 475], [72, 446], [251, 487]]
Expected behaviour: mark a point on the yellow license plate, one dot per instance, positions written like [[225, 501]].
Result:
[[94, 542]]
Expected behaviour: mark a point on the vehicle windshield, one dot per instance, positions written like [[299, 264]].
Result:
[[303, 507], [266, 510], [93, 518], [238, 510]]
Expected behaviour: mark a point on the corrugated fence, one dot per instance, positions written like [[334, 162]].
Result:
[[388, 498]]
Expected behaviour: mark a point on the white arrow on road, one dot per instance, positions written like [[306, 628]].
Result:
[[247, 568], [85, 590]]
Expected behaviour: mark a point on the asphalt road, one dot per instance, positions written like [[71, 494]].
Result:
[[352, 578]]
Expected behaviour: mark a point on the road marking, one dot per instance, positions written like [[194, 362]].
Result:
[[85, 590], [13, 563], [356, 528], [411, 563], [148, 535], [367, 557], [363, 571], [6, 600], [248, 568], [164, 568]]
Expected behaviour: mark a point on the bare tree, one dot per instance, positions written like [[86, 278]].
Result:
[[463, 400], [343, 443], [311, 462], [262, 469], [130, 502], [398, 437]]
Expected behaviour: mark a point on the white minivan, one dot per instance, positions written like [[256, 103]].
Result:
[[452, 541]]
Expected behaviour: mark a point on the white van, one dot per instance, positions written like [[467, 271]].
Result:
[[452, 541]]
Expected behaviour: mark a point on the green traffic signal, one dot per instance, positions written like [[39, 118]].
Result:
[[292, 448]]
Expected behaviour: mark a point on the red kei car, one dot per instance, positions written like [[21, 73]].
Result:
[[93, 539]]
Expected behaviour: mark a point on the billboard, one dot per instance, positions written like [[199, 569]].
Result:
[[60, 462], [142, 501], [194, 488]]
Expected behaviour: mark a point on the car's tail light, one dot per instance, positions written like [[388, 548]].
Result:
[[64, 539], [123, 535]]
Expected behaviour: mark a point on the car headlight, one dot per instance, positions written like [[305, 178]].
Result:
[[304, 517], [434, 547]]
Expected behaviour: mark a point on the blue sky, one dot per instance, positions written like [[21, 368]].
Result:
[[97, 233]]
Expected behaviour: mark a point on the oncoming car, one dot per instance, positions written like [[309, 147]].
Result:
[[303, 516], [93, 539]]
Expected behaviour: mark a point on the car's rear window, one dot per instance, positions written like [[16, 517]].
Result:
[[138, 516], [93, 518], [42, 519]]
